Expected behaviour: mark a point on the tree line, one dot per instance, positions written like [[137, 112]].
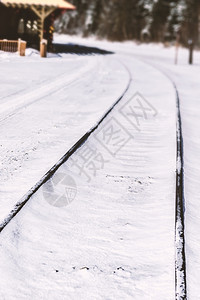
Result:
[[142, 20]]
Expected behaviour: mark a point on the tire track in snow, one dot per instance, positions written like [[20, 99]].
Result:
[[20, 101], [20, 204]]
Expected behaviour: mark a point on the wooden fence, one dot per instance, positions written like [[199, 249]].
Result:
[[13, 46]]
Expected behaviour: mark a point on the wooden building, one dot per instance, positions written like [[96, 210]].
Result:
[[30, 20]]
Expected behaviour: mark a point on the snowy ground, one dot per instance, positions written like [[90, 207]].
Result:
[[116, 239], [186, 78], [36, 130]]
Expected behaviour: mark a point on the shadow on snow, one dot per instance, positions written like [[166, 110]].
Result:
[[79, 49]]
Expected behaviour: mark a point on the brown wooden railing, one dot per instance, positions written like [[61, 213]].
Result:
[[13, 46]]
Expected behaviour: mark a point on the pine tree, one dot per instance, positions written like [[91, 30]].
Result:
[[192, 15], [175, 22], [160, 14], [130, 19]]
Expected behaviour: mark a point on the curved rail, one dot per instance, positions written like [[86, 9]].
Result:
[[20, 204], [180, 258], [180, 267], [180, 262]]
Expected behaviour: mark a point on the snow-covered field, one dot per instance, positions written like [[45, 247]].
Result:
[[186, 78], [36, 130], [116, 239]]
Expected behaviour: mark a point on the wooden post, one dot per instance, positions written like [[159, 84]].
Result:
[[22, 50], [21, 47], [42, 23], [18, 48], [177, 48], [42, 14], [191, 48], [43, 48]]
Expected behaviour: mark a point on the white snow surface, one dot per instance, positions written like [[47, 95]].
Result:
[[36, 130], [186, 78], [116, 239]]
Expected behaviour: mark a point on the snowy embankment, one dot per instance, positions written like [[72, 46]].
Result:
[[45, 107], [187, 81], [116, 239], [186, 78]]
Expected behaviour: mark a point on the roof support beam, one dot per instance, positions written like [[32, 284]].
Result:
[[42, 13]]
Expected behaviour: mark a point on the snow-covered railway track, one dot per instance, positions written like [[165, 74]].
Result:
[[180, 257], [141, 254], [180, 271], [37, 135], [20, 204], [180, 263]]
